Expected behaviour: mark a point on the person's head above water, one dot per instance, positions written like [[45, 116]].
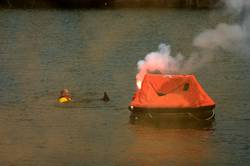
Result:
[[64, 93]]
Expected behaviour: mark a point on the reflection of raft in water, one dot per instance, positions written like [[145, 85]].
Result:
[[179, 96]]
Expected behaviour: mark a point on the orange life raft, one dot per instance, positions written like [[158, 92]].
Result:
[[172, 94]]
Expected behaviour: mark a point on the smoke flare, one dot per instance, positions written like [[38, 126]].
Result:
[[229, 37]]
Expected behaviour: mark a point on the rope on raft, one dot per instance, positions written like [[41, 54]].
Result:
[[207, 119]]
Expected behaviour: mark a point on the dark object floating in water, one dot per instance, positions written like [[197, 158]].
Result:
[[174, 95], [105, 97]]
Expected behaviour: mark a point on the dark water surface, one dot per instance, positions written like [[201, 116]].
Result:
[[92, 51]]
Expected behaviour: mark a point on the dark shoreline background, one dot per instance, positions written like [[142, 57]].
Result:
[[74, 4]]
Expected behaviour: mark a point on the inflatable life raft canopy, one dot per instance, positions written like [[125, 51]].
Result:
[[171, 92]]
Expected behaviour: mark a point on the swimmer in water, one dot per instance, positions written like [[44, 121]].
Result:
[[65, 96]]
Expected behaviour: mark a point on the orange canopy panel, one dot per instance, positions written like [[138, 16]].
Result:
[[171, 91]]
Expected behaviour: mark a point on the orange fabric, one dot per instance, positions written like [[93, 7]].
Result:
[[171, 91]]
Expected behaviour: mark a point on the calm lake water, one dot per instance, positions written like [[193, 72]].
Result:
[[92, 51]]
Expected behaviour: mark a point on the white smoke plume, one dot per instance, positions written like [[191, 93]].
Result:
[[163, 62], [236, 5], [159, 61], [224, 36], [228, 37]]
